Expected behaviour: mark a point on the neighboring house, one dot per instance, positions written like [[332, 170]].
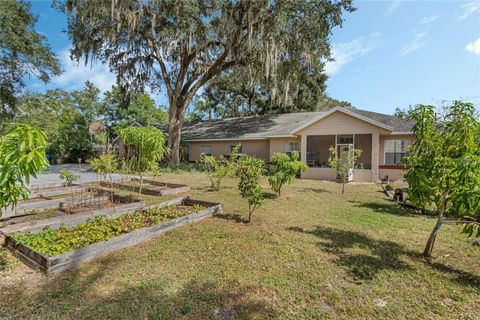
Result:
[[383, 139]]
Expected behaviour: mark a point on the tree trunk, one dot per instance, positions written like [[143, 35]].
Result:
[[343, 186], [431, 239], [176, 115]]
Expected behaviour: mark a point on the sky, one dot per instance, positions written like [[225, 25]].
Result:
[[387, 54]]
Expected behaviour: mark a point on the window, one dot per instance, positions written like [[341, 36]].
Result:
[[233, 147], [206, 149], [345, 139], [292, 146], [395, 150]]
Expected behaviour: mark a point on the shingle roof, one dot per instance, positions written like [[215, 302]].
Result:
[[277, 125]]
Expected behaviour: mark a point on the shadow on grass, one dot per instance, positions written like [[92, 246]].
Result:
[[316, 190], [95, 294], [364, 257], [389, 207], [269, 195], [232, 217]]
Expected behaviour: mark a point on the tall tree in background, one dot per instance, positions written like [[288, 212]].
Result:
[[233, 95], [23, 52], [140, 108], [182, 45]]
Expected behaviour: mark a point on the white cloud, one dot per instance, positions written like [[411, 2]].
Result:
[[393, 6], [469, 9], [417, 43], [429, 19], [345, 52], [75, 74], [474, 47]]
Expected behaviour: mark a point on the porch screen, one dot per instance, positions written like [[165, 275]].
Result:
[[395, 150]]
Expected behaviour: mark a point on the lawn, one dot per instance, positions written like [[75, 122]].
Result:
[[312, 253]]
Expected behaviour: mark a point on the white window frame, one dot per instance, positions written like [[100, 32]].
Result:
[[288, 146], [408, 143], [202, 149]]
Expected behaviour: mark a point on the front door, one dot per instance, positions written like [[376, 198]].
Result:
[[343, 150]]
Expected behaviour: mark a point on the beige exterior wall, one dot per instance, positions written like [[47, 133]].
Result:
[[278, 145], [341, 123], [257, 148], [393, 174]]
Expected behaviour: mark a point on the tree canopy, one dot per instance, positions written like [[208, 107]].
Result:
[[23, 52], [181, 46]]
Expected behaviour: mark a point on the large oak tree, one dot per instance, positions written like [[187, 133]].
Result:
[[182, 45]]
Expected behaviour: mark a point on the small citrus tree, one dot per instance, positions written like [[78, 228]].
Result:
[[105, 164], [219, 169], [343, 163], [145, 147], [250, 170], [22, 156], [285, 169], [443, 166], [68, 176]]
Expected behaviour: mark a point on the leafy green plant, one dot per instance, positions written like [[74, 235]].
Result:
[[68, 176], [22, 156], [285, 169], [54, 242], [250, 170], [144, 148], [105, 164], [343, 163], [443, 165], [219, 169]]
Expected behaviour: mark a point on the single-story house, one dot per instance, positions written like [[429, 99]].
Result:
[[383, 139]]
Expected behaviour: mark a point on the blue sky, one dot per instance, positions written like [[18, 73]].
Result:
[[388, 54]]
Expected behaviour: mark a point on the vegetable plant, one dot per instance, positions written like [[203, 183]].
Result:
[[343, 163], [22, 156], [250, 170], [53, 242], [285, 169]]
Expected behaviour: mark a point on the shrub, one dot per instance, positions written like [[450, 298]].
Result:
[[250, 170], [285, 169]]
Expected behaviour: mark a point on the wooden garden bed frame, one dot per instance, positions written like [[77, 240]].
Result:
[[171, 188], [56, 264]]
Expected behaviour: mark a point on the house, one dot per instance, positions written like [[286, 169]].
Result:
[[383, 139]]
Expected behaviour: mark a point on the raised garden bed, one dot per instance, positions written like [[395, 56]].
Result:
[[149, 187], [62, 214], [146, 224]]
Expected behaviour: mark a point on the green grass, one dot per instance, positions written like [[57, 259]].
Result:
[[310, 254]]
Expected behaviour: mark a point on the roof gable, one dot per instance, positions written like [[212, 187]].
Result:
[[345, 111]]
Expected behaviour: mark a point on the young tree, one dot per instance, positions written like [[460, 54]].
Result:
[[250, 170], [182, 45], [145, 147], [285, 169], [68, 176], [22, 152], [343, 163], [443, 166], [105, 164], [219, 169], [23, 53]]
